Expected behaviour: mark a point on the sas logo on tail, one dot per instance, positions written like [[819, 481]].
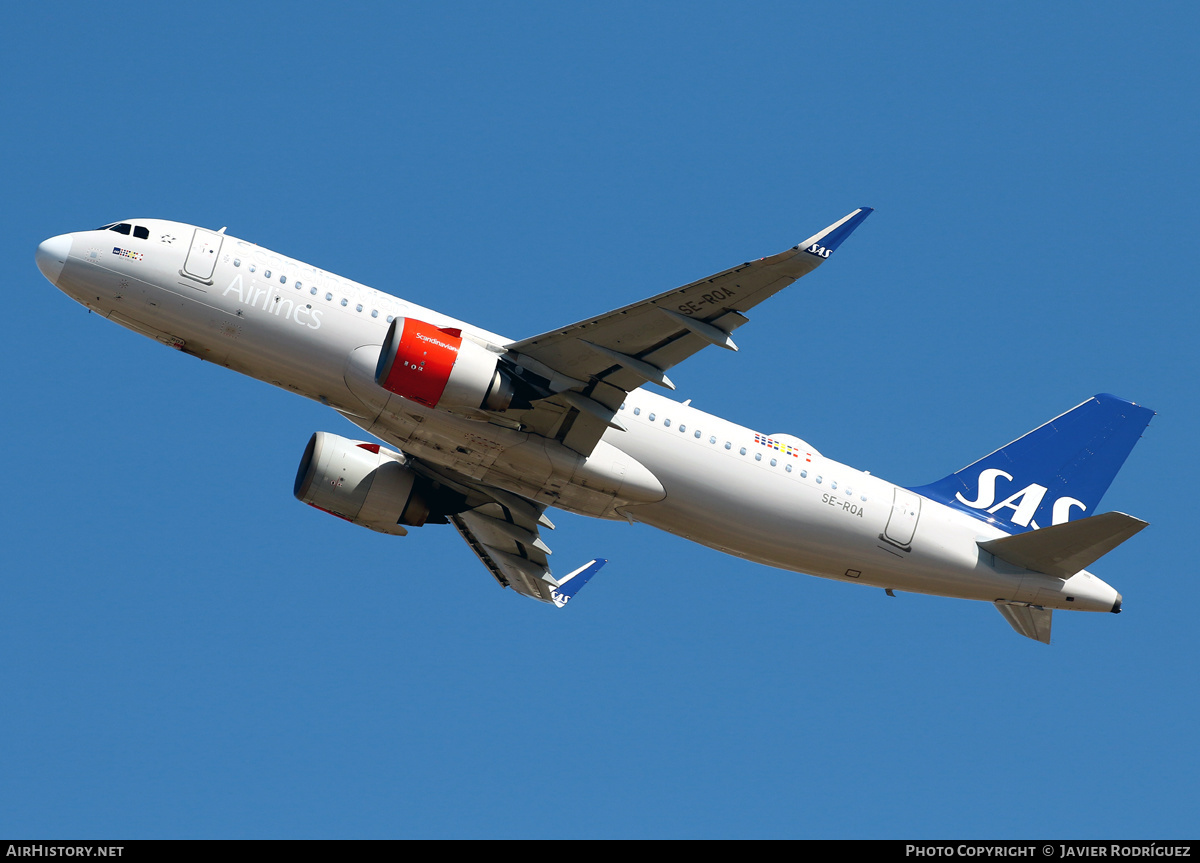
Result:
[[1024, 503], [819, 250]]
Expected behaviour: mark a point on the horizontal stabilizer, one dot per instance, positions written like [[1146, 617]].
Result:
[[1064, 549], [1031, 621]]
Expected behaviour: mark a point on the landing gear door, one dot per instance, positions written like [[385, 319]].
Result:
[[202, 256], [902, 522]]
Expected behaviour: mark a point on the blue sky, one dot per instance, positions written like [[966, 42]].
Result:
[[188, 651]]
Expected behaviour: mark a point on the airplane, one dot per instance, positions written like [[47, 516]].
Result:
[[487, 433]]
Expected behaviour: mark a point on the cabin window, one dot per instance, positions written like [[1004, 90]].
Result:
[[833, 485], [237, 262], [758, 456], [358, 308], [298, 284], [374, 313], [343, 302], [818, 480], [712, 439], [637, 412], [697, 434], [390, 318], [728, 445], [266, 274], [667, 423], [328, 297], [788, 468], [313, 291], [742, 451], [651, 417], [803, 473], [773, 462]]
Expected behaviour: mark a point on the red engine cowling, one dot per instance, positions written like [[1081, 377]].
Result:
[[360, 482], [439, 368]]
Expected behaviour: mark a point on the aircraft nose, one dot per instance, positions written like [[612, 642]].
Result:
[[52, 256]]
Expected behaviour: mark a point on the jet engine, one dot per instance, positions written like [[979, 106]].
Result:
[[363, 483], [439, 368]]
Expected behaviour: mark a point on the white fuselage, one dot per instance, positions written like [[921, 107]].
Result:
[[770, 499]]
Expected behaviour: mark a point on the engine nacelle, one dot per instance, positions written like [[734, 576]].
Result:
[[439, 368], [361, 482]]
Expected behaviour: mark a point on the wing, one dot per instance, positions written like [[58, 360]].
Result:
[[504, 535], [502, 528], [594, 363], [516, 556]]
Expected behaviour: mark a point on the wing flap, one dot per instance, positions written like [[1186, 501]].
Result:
[[514, 560], [504, 536]]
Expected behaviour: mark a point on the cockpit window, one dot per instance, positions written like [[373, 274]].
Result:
[[123, 228], [141, 233], [106, 227]]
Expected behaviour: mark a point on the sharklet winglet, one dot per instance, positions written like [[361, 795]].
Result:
[[570, 584], [825, 243]]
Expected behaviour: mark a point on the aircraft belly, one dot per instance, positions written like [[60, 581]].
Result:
[[137, 302], [532, 466], [750, 510], [741, 507]]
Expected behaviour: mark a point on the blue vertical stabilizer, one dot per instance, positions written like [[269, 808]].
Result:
[[1057, 472]]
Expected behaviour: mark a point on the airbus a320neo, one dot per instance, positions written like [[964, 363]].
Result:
[[488, 433]]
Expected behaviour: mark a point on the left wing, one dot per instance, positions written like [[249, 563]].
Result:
[[505, 537], [502, 528], [595, 362]]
